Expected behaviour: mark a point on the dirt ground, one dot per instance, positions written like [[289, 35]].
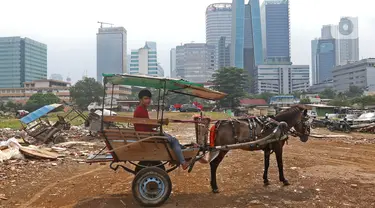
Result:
[[334, 172]]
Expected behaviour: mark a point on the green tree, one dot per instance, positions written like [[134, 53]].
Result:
[[298, 94], [305, 101], [354, 91], [328, 93], [2, 106], [265, 95], [86, 91], [11, 106], [39, 100], [339, 102], [364, 101], [175, 98], [233, 81]]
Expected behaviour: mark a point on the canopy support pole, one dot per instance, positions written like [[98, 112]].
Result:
[[113, 86], [105, 87], [162, 107], [157, 114]]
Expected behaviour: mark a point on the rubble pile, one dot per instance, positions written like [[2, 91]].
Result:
[[6, 114], [19, 146], [367, 129]]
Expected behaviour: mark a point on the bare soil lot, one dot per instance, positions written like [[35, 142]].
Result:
[[325, 172]]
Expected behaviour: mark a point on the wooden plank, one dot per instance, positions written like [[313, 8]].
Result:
[[38, 153], [131, 131], [123, 119], [126, 134], [112, 136]]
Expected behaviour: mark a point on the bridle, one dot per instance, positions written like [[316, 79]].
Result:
[[305, 128]]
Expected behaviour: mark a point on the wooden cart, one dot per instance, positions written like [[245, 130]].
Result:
[[146, 154]]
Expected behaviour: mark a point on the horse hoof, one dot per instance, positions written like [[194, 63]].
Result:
[[286, 183], [215, 191], [266, 183]]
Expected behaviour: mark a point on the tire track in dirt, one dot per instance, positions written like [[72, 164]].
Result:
[[45, 189], [112, 187]]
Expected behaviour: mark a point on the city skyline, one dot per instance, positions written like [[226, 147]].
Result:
[[72, 42]]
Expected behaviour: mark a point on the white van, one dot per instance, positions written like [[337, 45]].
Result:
[[312, 114]]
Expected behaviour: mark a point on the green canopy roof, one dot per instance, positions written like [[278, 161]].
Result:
[[174, 85]]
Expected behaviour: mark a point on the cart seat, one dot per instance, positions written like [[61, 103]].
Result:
[[131, 145]]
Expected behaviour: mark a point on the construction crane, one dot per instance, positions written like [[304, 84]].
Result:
[[105, 23]]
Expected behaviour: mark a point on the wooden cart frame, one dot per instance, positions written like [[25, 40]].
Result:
[[149, 152]]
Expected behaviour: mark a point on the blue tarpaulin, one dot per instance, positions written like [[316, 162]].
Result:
[[39, 113]]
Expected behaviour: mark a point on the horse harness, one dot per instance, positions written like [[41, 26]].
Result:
[[253, 123]]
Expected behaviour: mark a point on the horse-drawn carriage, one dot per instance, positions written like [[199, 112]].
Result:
[[149, 152]]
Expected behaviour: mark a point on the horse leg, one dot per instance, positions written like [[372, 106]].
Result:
[[214, 164], [267, 153], [279, 159]]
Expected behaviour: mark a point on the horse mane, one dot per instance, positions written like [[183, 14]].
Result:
[[289, 115]]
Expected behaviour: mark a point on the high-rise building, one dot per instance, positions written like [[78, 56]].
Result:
[[325, 59], [238, 31], [144, 61], [253, 50], [256, 32], [218, 23], [330, 32], [283, 79], [338, 45], [195, 62], [360, 73], [314, 48], [152, 45], [160, 71], [348, 40], [223, 53], [276, 31], [172, 60], [21, 60], [111, 54], [218, 26], [248, 50], [128, 59]]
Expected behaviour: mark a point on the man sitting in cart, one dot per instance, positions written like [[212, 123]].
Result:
[[141, 112]]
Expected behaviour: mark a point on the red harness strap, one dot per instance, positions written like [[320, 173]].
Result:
[[212, 135]]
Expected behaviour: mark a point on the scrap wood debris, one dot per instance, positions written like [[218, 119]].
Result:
[[19, 148]]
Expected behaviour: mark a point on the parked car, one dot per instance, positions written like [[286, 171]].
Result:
[[312, 114], [21, 113], [365, 118], [189, 108]]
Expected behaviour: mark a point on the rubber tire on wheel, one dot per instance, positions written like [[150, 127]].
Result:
[[149, 164], [312, 126], [160, 178], [330, 128]]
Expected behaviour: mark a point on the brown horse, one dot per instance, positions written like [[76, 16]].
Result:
[[231, 132]]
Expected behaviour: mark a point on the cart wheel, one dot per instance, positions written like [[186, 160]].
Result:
[[151, 187], [149, 164]]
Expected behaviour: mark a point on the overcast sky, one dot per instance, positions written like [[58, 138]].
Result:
[[69, 27]]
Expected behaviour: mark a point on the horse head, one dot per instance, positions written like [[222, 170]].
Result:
[[296, 117]]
